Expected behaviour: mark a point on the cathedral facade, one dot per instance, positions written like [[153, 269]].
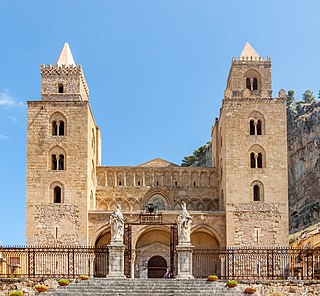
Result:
[[241, 201]]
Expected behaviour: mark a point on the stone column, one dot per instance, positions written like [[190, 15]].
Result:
[[116, 260], [184, 261]]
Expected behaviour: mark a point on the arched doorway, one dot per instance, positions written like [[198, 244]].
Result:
[[101, 263], [157, 267], [154, 242], [205, 257]]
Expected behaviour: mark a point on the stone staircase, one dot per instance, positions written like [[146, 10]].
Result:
[[145, 287]]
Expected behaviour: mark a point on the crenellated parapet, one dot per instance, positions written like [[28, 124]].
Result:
[[59, 81]]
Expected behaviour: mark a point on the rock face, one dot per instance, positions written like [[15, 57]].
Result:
[[303, 122]]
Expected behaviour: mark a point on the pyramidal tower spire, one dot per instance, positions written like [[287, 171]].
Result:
[[248, 52], [65, 57]]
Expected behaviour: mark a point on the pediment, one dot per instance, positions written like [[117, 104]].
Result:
[[157, 162]]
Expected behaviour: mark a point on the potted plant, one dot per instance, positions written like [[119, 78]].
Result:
[[16, 293], [231, 283], [63, 282], [250, 290], [83, 277], [212, 278], [41, 288]]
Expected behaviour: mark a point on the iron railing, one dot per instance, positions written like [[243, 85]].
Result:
[[237, 263], [53, 261]]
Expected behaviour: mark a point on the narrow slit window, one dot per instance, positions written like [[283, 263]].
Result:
[[259, 127], [255, 84], [61, 128], [256, 193], [54, 164], [175, 183], [61, 162], [60, 88], [252, 127], [259, 160], [54, 128], [252, 160], [138, 183], [248, 83], [57, 194]]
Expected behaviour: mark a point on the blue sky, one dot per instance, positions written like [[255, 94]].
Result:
[[156, 71]]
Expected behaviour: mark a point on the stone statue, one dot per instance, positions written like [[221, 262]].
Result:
[[184, 224], [117, 225]]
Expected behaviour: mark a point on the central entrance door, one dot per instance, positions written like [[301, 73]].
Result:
[[157, 267]]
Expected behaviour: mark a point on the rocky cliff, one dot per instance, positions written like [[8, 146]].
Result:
[[303, 122]]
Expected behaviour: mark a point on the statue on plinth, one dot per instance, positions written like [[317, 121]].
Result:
[[117, 225], [184, 224]]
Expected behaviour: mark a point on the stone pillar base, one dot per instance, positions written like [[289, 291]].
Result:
[[116, 261], [184, 261]]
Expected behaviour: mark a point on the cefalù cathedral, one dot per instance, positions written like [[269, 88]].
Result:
[[241, 201]]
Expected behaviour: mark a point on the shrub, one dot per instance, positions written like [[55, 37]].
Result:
[[212, 276], [232, 282], [63, 282], [16, 293]]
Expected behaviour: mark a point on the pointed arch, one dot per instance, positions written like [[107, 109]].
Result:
[[257, 189], [252, 80], [57, 159], [57, 192], [58, 123], [256, 123], [257, 157]]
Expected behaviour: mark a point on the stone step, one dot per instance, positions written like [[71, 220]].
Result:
[[145, 287]]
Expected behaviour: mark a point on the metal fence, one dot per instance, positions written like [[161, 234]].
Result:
[[237, 263], [257, 263], [53, 261]]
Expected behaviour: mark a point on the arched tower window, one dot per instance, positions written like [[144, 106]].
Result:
[[57, 194], [256, 123], [60, 88], [257, 157], [57, 158], [58, 124], [252, 80], [257, 191]]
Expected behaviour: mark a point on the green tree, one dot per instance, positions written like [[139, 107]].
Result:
[[197, 155], [308, 96], [290, 97]]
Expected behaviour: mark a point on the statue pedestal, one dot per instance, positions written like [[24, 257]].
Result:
[[116, 260], [184, 251]]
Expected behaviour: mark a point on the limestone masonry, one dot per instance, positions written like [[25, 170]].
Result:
[[241, 201]]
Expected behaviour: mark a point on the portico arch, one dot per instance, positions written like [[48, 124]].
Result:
[[205, 259], [151, 242]]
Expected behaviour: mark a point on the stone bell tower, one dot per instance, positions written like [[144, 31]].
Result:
[[250, 151], [63, 150]]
